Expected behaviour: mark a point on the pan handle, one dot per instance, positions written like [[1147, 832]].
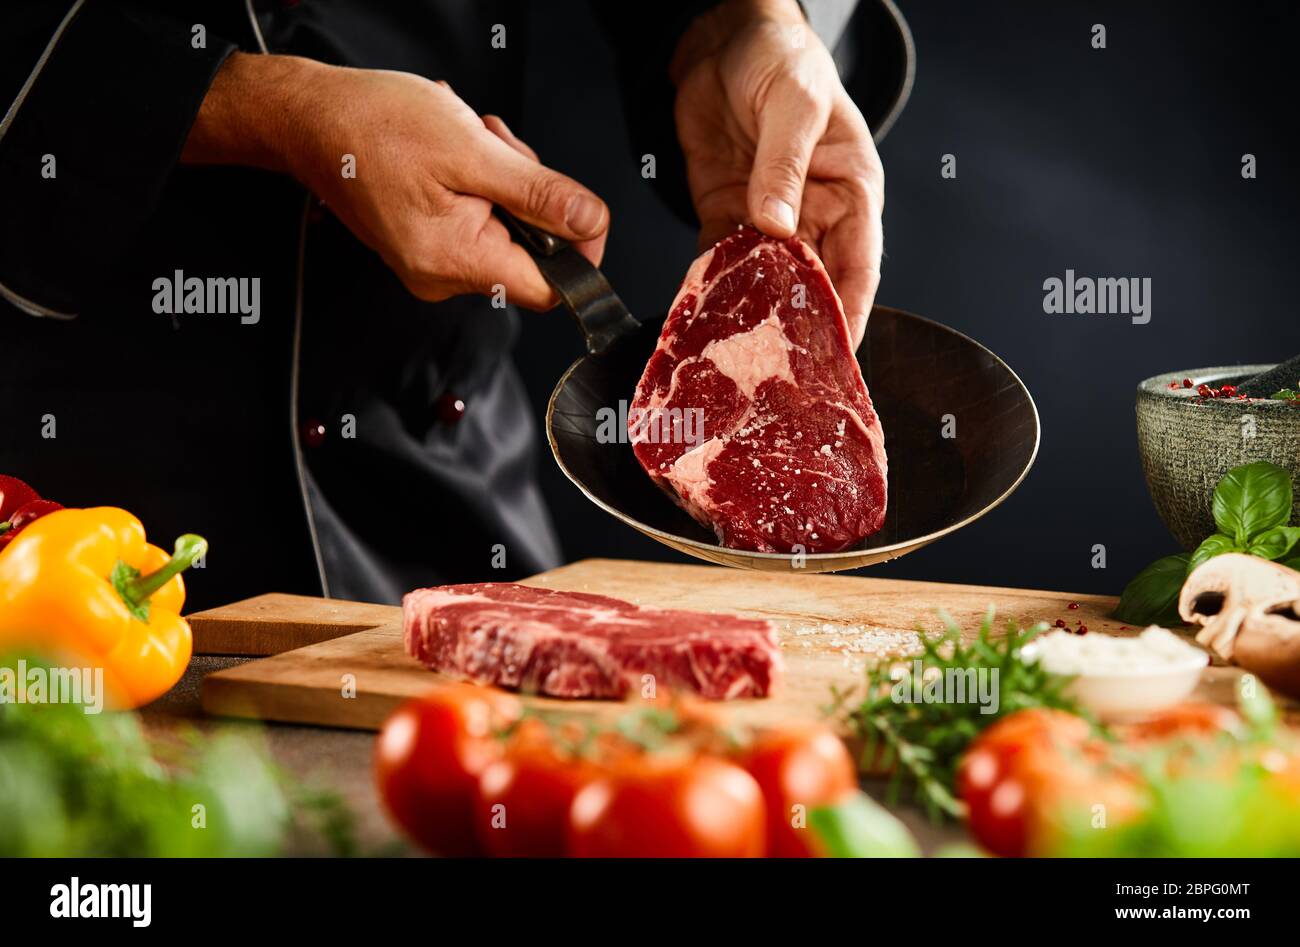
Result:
[[582, 287]]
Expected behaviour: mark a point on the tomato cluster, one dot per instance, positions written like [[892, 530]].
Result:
[[465, 773], [1036, 766]]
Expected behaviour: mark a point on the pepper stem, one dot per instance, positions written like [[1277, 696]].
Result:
[[188, 548]]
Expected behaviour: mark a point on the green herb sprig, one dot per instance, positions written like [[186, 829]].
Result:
[[77, 784], [1252, 504], [921, 743]]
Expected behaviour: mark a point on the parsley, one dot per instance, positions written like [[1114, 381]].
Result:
[[78, 784]]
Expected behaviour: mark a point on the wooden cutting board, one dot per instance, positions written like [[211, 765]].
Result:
[[342, 664]]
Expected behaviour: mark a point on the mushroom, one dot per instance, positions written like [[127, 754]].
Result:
[[1269, 645], [1220, 594], [1249, 610]]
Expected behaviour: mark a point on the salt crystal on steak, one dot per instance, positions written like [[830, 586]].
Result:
[[571, 644], [792, 455]]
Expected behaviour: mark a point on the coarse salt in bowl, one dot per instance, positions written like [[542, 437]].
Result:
[[1122, 678]]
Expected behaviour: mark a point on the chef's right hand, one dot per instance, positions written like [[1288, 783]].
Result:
[[427, 170]]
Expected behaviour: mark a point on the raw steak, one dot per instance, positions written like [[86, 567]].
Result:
[[570, 644], [791, 456]]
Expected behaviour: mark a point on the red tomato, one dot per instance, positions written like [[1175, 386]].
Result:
[[14, 494], [996, 799], [428, 759], [1010, 769], [523, 801], [1184, 720], [669, 807], [805, 767]]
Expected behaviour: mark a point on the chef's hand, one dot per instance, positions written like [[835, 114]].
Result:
[[771, 138], [427, 170]]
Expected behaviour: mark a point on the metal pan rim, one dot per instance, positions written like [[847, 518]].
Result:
[[811, 562]]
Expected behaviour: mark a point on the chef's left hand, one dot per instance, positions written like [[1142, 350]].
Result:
[[772, 138]]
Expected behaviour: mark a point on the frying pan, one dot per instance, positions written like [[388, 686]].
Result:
[[961, 429]]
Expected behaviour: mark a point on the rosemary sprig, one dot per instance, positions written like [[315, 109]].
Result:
[[920, 740]]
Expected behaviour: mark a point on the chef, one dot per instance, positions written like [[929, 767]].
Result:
[[251, 282]]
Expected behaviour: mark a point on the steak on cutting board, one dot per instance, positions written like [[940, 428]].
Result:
[[571, 644], [791, 456]]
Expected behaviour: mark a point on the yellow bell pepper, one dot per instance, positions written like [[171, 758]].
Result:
[[84, 586]]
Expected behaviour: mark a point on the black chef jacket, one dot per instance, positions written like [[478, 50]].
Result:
[[211, 423]]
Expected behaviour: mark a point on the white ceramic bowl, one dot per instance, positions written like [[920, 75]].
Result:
[[1124, 696]]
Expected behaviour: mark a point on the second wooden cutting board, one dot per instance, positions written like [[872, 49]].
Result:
[[342, 664]]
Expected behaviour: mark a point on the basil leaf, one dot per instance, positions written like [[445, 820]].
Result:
[[1293, 564], [1152, 596], [1275, 543], [859, 827], [1252, 498], [1215, 545]]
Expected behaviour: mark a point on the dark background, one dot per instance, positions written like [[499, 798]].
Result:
[[1117, 162]]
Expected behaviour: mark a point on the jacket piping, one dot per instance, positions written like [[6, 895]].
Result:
[[294, 366], [18, 301]]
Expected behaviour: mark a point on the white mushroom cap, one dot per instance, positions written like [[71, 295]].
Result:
[[1224, 592]]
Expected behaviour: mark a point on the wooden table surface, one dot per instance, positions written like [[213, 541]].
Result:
[[818, 616], [343, 664]]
